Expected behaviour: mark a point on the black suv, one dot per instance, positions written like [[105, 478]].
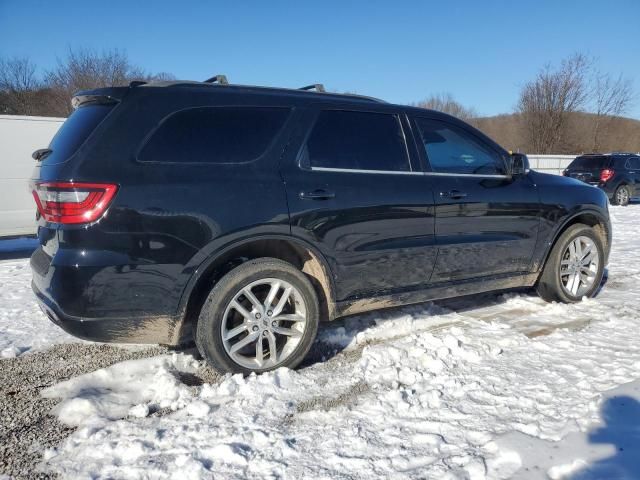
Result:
[[618, 174], [242, 216]]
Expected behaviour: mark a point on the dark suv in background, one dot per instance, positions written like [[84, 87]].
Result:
[[242, 216], [618, 174]]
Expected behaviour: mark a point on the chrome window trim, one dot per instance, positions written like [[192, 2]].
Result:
[[404, 142], [355, 170], [397, 172], [477, 175]]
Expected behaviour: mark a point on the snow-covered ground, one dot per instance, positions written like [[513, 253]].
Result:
[[23, 327], [494, 387]]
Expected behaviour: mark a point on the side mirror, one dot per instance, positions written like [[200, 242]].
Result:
[[519, 164]]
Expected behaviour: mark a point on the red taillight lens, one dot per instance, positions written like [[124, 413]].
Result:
[[606, 174], [70, 202]]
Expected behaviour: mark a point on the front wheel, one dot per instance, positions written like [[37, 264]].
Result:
[[260, 316], [575, 266]]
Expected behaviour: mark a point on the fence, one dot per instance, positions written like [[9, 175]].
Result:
[[550, 163]]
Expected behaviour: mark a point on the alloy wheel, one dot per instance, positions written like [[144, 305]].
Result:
[[264, 323], [622, 196], [579, 266]]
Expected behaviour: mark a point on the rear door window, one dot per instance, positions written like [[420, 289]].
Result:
[[214, 135], [633, 163], [450, 149], [589, 163], [75, 131], [353, 140]]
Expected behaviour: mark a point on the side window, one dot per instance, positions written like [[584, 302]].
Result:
[[214, 135], [356, 141], [450, 149], [633, 163]]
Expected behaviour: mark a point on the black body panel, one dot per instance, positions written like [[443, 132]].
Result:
[[381, 238]]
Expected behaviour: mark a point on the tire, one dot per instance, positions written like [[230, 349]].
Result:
[[238, 312], [555, 282], [622, 196]]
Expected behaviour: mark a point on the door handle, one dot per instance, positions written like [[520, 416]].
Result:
[[318, 194], [453, 194]]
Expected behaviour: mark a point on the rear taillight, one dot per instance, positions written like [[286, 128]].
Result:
[[606, 174], [70, 202]]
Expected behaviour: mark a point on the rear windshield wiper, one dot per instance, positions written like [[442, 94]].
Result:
[[41, 153]]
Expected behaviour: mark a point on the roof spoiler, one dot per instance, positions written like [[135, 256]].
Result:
[[99, 96]]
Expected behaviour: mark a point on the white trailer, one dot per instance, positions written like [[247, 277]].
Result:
[[19, 137]]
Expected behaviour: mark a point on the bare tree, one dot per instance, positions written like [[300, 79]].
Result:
[[445, 102], [23, 92], [19, 86], [546, 102], [611, 98], [86, 69], [159, 77]]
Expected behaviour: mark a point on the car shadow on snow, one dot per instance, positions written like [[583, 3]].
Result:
[[621, 417]]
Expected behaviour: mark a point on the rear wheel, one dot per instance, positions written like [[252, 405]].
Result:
[[622, 196], [260, 316], [574, 267]]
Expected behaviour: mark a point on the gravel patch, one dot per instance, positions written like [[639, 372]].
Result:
[[345, 399], [26, 428]]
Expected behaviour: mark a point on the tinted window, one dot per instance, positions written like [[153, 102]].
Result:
[[633, 163], [74, 131], [450, 149], [589, 163], [215, 135], [356, 140]]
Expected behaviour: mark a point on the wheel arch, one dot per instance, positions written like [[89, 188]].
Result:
[[590, 217], [625, 182], [290, 249]]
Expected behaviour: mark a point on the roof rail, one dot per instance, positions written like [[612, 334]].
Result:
[[318, 87], [219, 79], [137, 83]]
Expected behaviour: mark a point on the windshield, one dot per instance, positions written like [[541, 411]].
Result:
[[74, 131]]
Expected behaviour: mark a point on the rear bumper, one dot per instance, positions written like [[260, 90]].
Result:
[[608, 189], [164, 330], [103, 303]]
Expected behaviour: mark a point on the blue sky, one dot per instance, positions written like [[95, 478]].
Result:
[[480, 51]]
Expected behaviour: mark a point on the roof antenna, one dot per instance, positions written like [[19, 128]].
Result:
[[219, 79]]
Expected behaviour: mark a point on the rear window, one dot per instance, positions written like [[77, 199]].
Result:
[[215, 135], [589, 163], [75, 131]]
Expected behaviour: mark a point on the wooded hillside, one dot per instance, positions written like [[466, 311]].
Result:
[[617, 133]]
